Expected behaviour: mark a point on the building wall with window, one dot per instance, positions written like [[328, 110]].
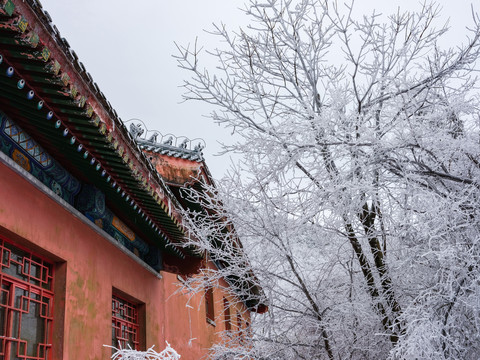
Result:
[[91, 228], [88, 270]]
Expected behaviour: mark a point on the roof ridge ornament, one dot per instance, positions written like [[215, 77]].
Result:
[[169, 144], [136, 130]]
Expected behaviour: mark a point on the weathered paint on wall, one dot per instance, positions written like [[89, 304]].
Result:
[[89, 267]]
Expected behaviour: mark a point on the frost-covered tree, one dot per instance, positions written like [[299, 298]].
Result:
[[130, 354], [358, 190]]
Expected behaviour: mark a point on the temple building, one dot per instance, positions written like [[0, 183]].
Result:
[[91, 227]]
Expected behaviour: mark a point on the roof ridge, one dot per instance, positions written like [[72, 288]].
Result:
[[172, 146]]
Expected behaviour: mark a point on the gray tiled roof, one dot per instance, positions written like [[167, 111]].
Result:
[[170, 150]]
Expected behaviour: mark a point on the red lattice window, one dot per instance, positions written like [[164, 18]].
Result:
[[26, 304], [241, 333], [209, 306], [226, 313], [125, 324]]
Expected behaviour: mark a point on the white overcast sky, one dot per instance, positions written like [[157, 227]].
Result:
[[127, 47]]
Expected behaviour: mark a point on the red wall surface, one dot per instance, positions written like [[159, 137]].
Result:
[[88, 268]]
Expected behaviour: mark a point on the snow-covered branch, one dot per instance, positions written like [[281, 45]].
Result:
[[356, 199]]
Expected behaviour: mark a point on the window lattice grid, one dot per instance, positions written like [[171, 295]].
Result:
[[24, 266], [125, 325], [26, 307], [227, 315], [209, 306]]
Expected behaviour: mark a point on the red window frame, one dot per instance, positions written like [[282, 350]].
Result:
[[26, 304], [209, 306], [241, 333], [125, 323], [227, 315]]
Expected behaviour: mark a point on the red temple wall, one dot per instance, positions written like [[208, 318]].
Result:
[[88, 268]]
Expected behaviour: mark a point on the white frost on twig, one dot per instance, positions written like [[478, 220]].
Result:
[[129, 354]]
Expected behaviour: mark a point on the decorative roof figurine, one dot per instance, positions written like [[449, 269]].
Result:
[[169, 147]]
